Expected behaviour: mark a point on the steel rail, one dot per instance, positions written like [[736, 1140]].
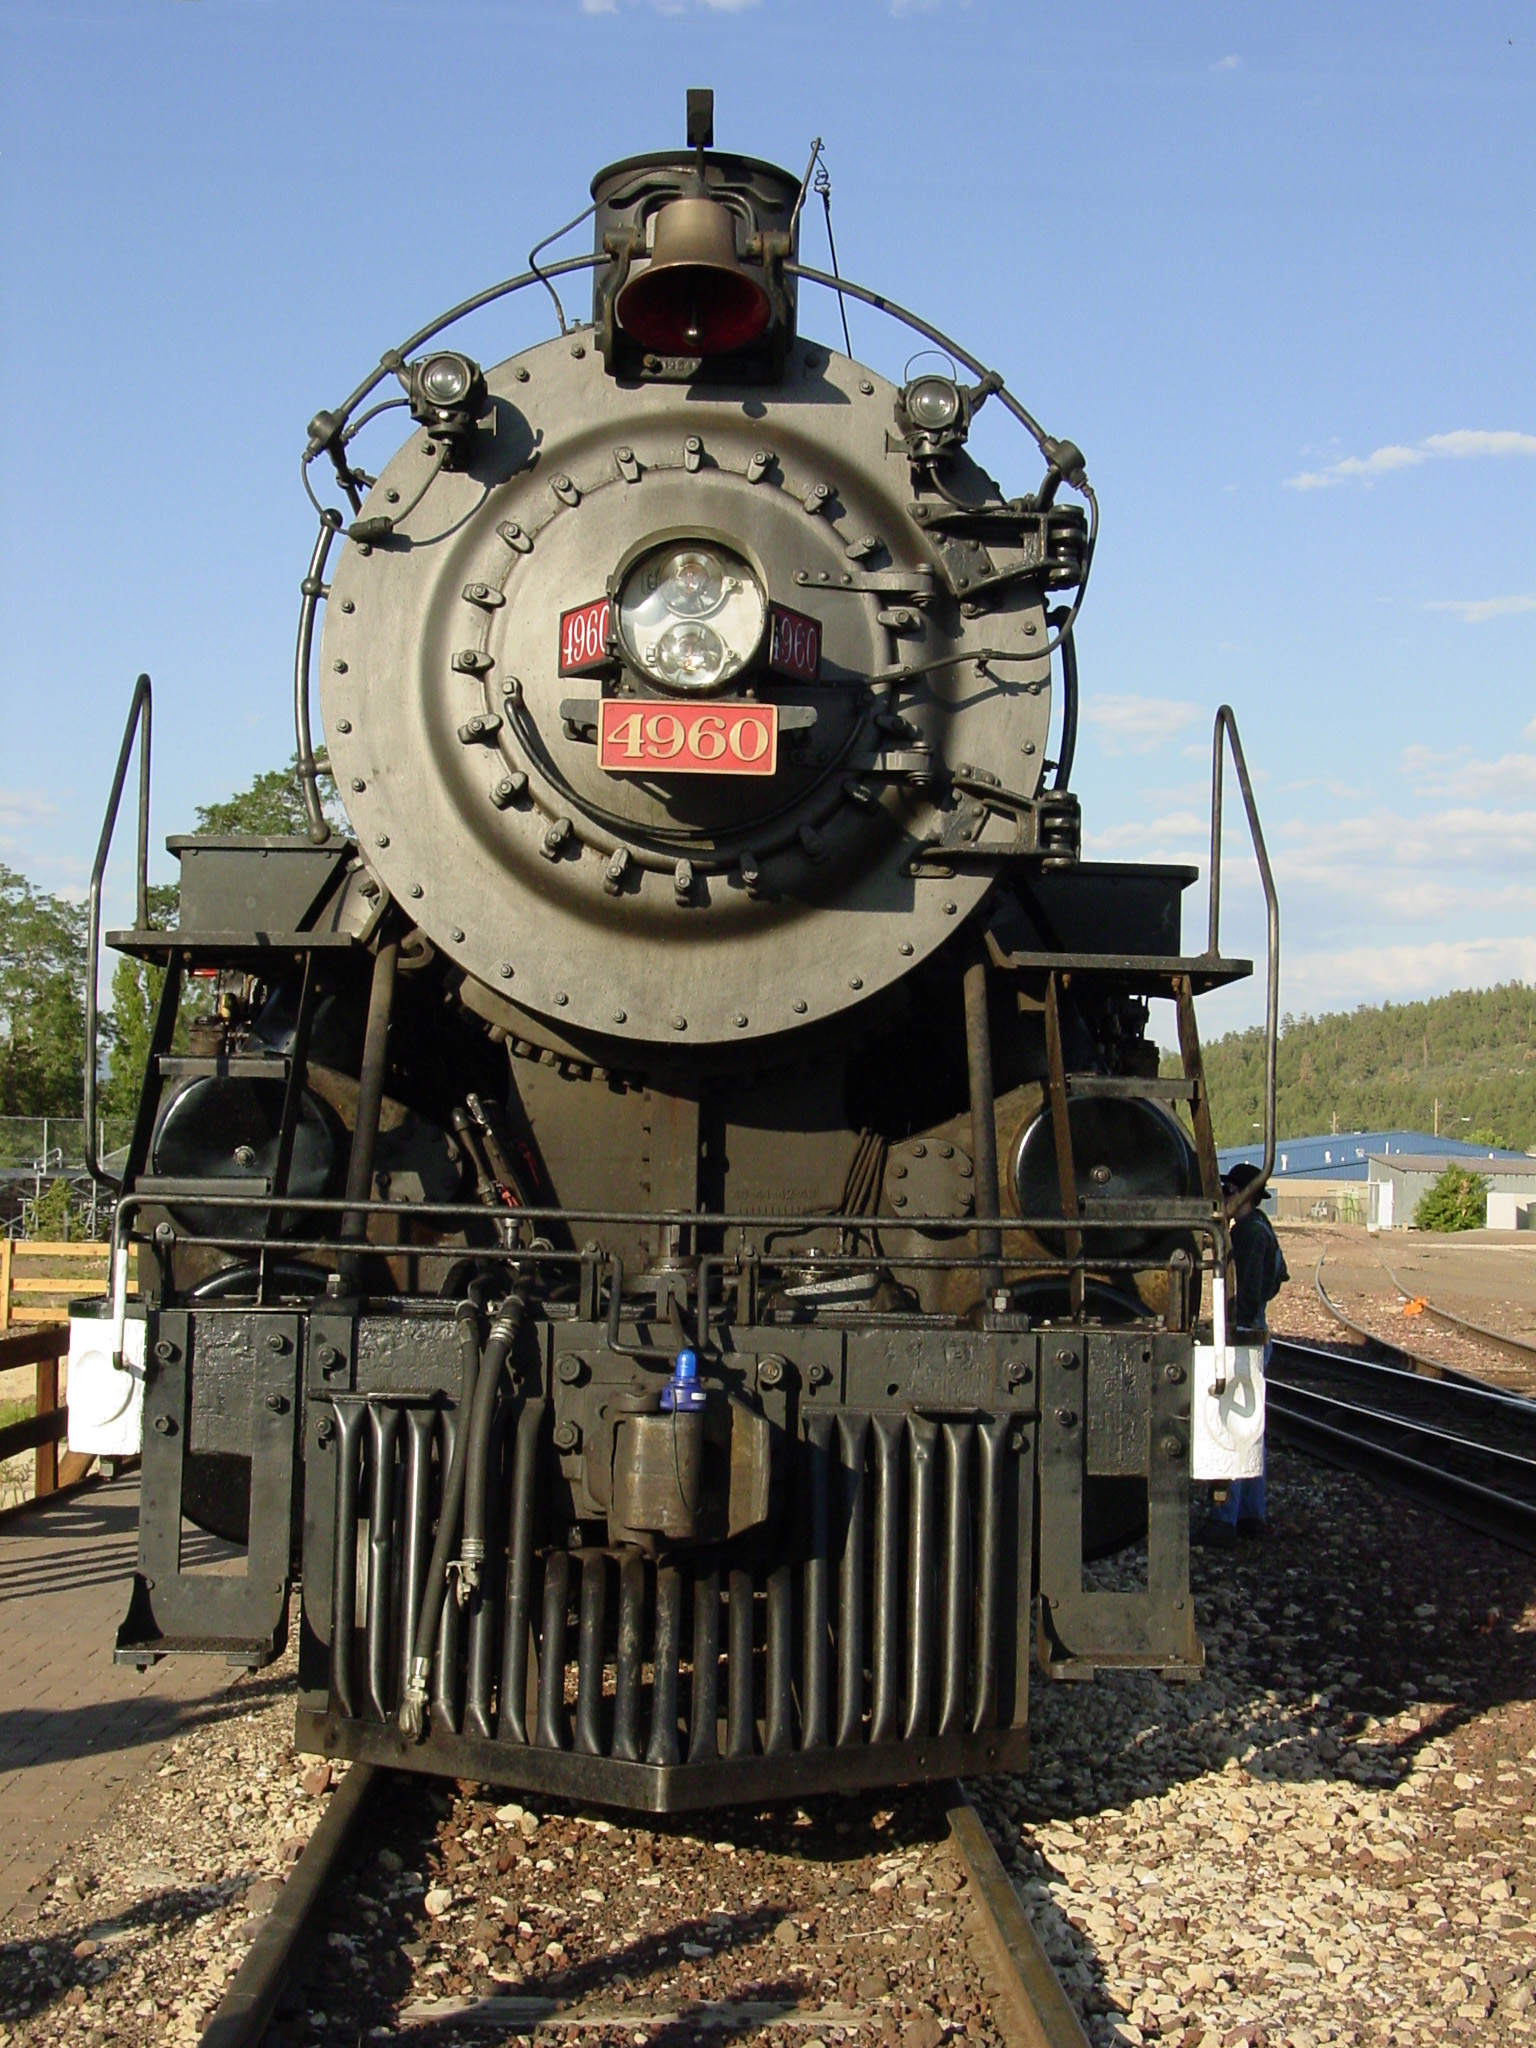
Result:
[[1407, 1425], [1410, 1361], [1416, 1362], [1463, 1385], [248, 2005], [1509, 1518], [1043, 2012], [1501, 1516], [1513, 1347]]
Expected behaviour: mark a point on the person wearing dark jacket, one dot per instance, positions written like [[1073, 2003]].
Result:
[[1259, 1274]]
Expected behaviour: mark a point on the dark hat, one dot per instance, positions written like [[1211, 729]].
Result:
[[1241, 1176]]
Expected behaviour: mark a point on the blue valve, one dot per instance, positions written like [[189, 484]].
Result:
[[682, 1394]]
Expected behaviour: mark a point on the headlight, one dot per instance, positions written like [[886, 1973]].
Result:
[[691, 615], [447, 380], [933, 403]]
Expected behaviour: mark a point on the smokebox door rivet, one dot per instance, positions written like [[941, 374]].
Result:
[[456, 933], [415, 888], [381, 839], [339, 667], [505, 970], [343, 725]]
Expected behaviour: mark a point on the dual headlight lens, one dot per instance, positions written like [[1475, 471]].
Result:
[[691, 616]]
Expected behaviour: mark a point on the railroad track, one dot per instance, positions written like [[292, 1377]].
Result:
[[1467, 1448], [1497, 1341], [1026, 2005]]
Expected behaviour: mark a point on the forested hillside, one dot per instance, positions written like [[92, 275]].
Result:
[[1384, 1069]]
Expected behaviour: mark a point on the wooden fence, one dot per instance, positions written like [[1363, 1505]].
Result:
[[30, 1293], [46, 1347], [37, 1281]]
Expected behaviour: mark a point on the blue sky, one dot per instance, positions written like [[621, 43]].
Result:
[[1271, 269]]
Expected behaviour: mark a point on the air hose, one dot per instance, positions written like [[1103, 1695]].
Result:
[[481, 1371], [498, 1350]]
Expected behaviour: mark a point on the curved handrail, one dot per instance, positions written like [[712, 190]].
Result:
[[1063, 459], [1226, 724], [139, 714]]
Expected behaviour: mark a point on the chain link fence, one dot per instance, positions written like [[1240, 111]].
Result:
[[45, 1190]]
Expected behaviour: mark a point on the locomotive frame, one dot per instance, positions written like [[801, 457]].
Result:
[[618, 1478]]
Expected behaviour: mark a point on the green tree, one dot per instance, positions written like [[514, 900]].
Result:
[[136, 986], [42, 1000], [271, 802], [1458, 1200]]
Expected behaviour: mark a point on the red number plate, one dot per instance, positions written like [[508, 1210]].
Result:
[[636, 737], [794, 644], [584, 637]]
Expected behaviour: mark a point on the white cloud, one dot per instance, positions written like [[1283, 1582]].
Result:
[[1228, 64], [1529, 732], [1469, 441], [1177, 836], [1477, 611], [1464, 444], [21, 811], [1137, 725], [1321, 980], [1370, 847], [1460, 775]]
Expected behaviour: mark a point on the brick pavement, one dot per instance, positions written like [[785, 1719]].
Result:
[[74, 1726]]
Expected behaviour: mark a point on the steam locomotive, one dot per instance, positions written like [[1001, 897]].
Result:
[[671, 1230]]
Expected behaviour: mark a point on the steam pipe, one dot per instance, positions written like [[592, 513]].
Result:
[[370, 1089], [1068, 748], [978, 1058]]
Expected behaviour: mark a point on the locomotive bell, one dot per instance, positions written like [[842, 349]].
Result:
[[694, 298]]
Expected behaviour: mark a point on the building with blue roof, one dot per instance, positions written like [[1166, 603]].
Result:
[[1345, 1155]]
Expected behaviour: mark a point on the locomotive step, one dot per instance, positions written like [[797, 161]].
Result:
[[224, 948], [244, 1066], [1147, 973], [1131, 1087]]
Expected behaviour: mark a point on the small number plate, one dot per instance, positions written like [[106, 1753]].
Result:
[[637, 737], [794, 644], [584, 637]]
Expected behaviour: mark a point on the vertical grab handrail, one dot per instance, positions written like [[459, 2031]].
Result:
[[139, 715], [1226, 724], [313, 589]]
